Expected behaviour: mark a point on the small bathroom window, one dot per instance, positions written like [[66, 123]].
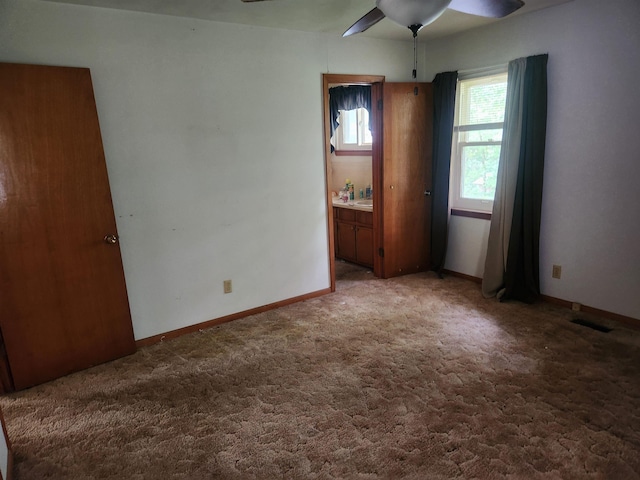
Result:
[[353, 134]]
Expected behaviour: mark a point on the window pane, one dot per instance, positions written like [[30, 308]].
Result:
[[479, 171], [483, 100], [494, 135], [366, 134], [480, 108], [349, 123]]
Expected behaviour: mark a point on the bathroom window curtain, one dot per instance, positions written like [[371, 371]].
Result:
[[348, 98], [512, 262], [444, 100]]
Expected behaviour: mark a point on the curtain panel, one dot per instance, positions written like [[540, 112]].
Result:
[[512, 262], [502, 213], [444, 101]]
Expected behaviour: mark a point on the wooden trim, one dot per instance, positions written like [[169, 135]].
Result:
[[350, 79], [376, 178], [470, 214], [145, 342], [629, 321], [463, 275], [352, 153], [327, 80]]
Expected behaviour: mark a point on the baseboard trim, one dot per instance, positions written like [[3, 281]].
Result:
[[463, 275], [145, 342], [629, 321]]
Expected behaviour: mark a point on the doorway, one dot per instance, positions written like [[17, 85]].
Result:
[[329, 80], [401, 169]]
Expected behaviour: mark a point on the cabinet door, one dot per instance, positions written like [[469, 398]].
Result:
[[64, 303], [346, 241], [364, 246]]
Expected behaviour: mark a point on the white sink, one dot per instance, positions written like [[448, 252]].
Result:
[[365, 203]]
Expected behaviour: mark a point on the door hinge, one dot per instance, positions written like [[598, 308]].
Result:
[[380, 104], [381, 252]]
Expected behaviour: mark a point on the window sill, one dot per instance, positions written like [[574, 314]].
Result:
[[352, 153], [471, 214]]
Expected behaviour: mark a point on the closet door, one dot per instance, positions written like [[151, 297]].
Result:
[[406, 178], [63, 300]]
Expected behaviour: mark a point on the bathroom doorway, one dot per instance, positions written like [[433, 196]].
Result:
[[398, 225], [332, 185]]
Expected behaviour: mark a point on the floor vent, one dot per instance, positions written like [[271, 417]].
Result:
[[595, 326]]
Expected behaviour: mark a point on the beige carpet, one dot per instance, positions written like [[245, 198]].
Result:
[[414, 377]]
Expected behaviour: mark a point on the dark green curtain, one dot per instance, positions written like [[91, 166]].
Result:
[[348, 97], [522, 276], [444, 102]]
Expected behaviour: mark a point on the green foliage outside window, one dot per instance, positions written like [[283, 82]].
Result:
[[481, 105]]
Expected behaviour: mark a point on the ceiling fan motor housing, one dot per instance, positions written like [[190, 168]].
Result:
[[413, 12]]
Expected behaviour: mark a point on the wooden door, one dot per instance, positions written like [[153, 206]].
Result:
[[63, 300], [406, 177]]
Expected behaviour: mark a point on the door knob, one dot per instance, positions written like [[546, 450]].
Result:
[[111, 239], [427, 193]]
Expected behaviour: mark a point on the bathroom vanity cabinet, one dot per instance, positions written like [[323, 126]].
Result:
[[354, 235]]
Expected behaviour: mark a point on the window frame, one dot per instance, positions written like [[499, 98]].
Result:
[[351, 149], [456, 201]]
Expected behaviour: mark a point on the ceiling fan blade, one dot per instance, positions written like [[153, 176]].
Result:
[[369, 20], [486, 8]]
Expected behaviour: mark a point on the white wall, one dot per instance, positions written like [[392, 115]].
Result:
[[214, 146], [204, 154], [4, 455], [358, 169], [591, 205]]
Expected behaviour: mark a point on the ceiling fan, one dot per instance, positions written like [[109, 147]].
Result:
[[415, 14]]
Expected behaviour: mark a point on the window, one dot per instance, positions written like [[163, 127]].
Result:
[[477, 135], [353, 133]]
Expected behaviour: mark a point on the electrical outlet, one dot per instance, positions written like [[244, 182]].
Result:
[[556, 271], [227, 286], [576, 307]]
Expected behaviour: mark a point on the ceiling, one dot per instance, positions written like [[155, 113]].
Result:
[[328, 16]]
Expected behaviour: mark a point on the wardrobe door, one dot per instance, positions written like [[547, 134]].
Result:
[[405, 190], [63, 300]]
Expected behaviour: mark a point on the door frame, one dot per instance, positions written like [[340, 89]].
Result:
[[350, 79]]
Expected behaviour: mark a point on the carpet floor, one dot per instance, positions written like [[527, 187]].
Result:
[[414, 377]]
